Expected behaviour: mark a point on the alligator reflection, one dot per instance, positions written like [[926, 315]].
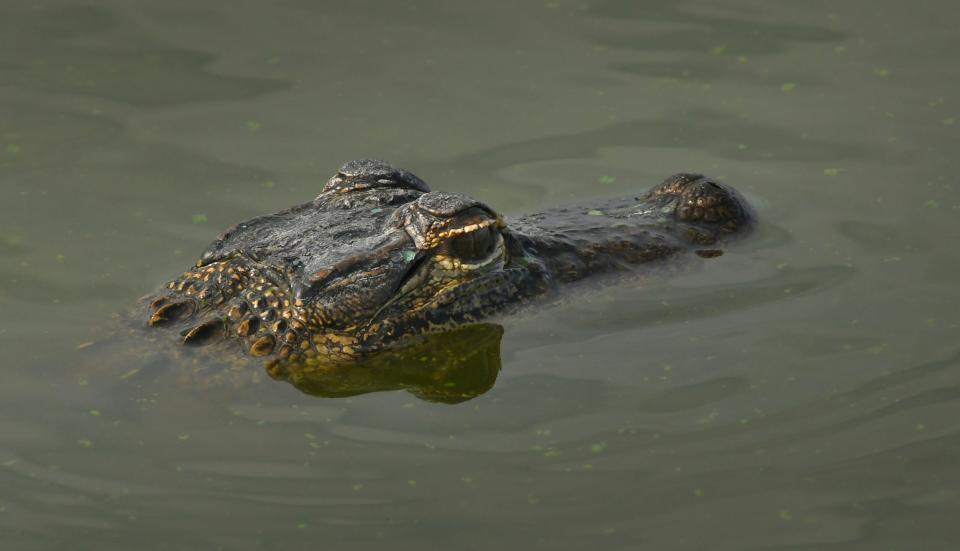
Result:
[[449, 367]]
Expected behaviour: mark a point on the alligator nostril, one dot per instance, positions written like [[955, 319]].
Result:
[[714, 185]]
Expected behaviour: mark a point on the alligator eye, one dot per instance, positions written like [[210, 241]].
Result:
[[475, 245]]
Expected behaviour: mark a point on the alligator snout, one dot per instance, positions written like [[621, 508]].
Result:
[[701, 200]]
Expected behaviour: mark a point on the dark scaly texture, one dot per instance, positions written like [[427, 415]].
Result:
[[377, 259]]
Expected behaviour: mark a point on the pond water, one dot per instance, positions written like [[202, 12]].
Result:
[[801, 391]]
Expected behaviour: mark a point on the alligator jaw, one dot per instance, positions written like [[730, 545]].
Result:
[[685, 213]]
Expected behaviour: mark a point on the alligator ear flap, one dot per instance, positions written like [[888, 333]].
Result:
[[371, 173], [416, 223]]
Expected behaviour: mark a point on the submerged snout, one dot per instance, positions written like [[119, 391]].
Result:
[[702, 200]]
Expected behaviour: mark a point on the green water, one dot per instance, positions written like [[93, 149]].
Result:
[[800, 392]]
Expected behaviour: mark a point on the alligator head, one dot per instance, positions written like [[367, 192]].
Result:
[[377, 259]]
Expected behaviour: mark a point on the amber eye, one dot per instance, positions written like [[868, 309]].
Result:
[[475, 245]]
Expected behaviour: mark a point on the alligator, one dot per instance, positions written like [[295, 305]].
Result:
[[378, 260]]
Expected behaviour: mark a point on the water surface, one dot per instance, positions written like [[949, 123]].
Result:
[[799, 392]]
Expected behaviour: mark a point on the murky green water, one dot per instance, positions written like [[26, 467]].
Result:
[[800, 392]]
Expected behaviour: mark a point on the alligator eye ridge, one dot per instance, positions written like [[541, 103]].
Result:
[[475, 245]]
